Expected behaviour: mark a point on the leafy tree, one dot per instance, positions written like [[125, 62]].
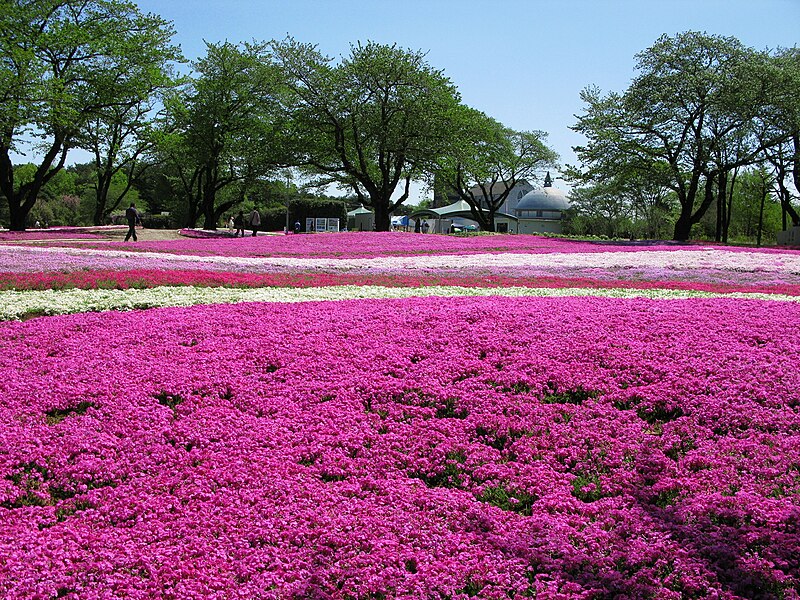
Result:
[[58, 203], [783, 114], [118, 137], [784, 162], [601, 209], [62, 64], [486, 161], [223, 128], [372, 123], [154, 188], [758, 210], [693, 109]]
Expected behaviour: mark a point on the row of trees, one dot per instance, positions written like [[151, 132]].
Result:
[[753, 210], [99, 75], [701, 112]]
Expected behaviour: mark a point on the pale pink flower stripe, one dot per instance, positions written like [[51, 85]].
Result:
[[44, 236], [420, 448], [373, 244], [21, 259]]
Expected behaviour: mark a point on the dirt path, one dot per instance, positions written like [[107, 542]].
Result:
[[144, 235]]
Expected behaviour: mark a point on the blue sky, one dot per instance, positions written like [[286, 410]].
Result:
[[521, 62]]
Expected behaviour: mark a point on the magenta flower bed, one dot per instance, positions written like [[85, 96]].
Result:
[[144, 278], [701, 269], [371, 244], [437, 448], [47, 235]]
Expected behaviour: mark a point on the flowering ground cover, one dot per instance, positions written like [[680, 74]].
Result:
[[509, 421], [489, 447], [706, 269], [48, 235], [26, 305], [371, 245], [145, 279]]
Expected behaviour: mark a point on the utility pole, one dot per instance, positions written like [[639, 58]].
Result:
[[288, 198]]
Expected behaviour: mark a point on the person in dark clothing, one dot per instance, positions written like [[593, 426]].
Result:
[[297, 226], [255, 221], [238, 222], [133, 219]]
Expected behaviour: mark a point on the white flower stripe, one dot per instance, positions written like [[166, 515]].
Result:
[[18, 305]]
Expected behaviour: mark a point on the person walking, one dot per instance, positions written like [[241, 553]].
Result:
[[255, 221], [133, 218], [297, 226], [238, 223]]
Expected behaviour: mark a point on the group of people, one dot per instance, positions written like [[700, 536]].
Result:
[[253, 222], [239, 221]]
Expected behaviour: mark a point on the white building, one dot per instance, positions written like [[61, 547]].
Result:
[[541, 210]]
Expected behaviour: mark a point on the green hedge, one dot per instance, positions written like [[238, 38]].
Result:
[[274, 219], [158, 222]]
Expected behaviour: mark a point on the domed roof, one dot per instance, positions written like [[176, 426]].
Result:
[[545, 198]]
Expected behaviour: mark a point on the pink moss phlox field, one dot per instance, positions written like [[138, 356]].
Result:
[[684, 268], [420, 448], [46, 235], [143, 278], [373, 244]]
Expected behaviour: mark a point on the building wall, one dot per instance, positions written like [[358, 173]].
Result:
[[539, 226], [517, 192]]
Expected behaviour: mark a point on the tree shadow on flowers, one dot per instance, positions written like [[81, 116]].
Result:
[[748, 556]]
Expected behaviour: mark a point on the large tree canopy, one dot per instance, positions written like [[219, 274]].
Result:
[[62, 63], [695, 108], [120, 135], [223, 128], [783, 116], [372, 123]]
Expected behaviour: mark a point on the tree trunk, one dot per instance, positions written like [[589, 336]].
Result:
[[21, 201], [720, 207], [683, 226], [729, 211], [209, 222], [484, 218], [686, 197], [383, 221], [490, 224], [191, 210], [99, 209], [761, 212], [209, 218], [18, 213], [786, 204], [101, 198], [722, 202]]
